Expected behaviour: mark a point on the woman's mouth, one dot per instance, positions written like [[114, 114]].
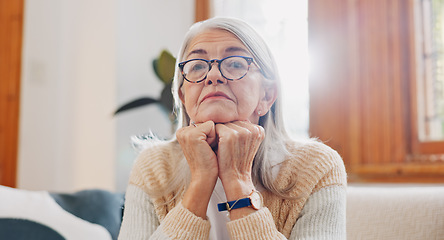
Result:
[[216, 95]]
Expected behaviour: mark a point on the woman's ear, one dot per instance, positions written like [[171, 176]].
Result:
[[268, 98]]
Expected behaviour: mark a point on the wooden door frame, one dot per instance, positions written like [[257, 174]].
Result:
[[202, 10], [11, 31]]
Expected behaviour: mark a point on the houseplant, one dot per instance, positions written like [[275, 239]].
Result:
[[163, 66]]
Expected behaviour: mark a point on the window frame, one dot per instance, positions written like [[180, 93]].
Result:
[[422, 151]]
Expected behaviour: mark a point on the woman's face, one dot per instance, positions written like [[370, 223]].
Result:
[[217, 98]]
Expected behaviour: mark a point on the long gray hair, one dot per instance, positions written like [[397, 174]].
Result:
[[272, 151]]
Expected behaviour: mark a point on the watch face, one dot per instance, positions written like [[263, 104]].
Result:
[[256, 200]]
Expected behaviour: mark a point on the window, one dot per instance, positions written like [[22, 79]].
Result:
[[375, 96], [428, 107], [431, 84]]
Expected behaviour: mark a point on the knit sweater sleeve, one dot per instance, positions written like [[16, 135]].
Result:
[[324, 211], [319, 187], [146, 217], [140, 220], [316, 179], [323, 216], [256, 226]]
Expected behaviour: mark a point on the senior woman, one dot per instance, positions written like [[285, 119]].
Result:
[[232, 172]]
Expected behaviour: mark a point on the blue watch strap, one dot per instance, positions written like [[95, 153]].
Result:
[[244, 202]]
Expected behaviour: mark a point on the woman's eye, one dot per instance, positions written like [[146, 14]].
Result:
[[236, 64], [197, 67]]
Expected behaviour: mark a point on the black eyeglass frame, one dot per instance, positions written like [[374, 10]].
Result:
[[210, 65]]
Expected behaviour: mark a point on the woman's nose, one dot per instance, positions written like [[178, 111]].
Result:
[[214, 76]]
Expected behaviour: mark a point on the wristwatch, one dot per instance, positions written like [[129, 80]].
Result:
[[254, 200]]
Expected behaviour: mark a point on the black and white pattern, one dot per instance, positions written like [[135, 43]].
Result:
[[35, 215]]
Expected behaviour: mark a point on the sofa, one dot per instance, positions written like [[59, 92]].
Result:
[[40, 215], [394, 212], [374, 212]]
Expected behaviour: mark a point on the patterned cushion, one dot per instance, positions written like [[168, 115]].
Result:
[[89, 214]]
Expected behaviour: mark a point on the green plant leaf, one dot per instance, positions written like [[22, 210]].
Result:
[[155, 63], [164, 67], [135, 104], [166, 98]]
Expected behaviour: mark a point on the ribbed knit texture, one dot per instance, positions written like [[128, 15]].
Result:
[[142, 219], [320, 218], [258, 225], [182, 224], [311, 168]]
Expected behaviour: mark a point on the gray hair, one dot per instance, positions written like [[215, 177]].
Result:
[[272, 151]]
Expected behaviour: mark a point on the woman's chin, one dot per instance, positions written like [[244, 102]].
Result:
[[219, 118]]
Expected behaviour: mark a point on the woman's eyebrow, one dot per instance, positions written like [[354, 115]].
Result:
[[197, 51], [227, 50], [236, 49]]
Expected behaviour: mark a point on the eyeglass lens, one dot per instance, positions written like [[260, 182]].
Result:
[[232, 68]]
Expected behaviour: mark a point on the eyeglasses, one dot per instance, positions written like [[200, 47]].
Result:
[[232, 68]]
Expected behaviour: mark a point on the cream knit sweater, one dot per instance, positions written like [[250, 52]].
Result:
[[315, 211]]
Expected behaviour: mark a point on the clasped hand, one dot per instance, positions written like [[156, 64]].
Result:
[[221, 150]]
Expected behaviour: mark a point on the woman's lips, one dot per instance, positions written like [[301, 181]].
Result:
[[216, 95]]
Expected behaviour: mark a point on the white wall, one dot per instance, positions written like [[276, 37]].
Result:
[[144, 28], [67, 133], [82, 59]]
